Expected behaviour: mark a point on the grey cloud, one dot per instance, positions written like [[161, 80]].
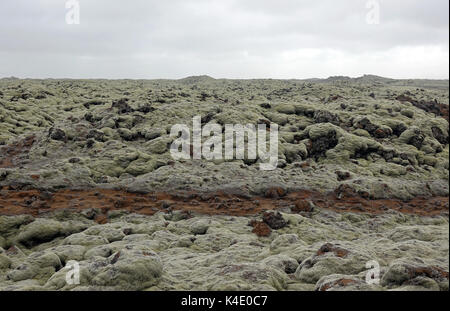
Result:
[[231, 38]]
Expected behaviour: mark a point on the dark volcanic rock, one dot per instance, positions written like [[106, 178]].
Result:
[[342, 175], [439, 135], [319, 146], [399, 128], [94, 102], [417, 139], [57, 134], [321, 116], [365, 124], [275, 220], [428, 106], [122, 106], [95, 134]]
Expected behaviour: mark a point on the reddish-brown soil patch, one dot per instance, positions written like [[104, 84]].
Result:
[[260, 228], [275, 193], [9, 154], [430, 272], [36, 202], [302, 206], [328, 247]]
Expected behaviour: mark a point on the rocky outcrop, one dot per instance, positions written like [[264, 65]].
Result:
[[322, 251]]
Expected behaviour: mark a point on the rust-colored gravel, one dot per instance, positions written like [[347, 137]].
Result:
[[36, 202]]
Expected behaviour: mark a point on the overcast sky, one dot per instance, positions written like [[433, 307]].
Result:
[[225, 39]]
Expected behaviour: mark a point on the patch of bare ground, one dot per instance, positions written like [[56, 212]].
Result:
[[10, 154], [37, 202]]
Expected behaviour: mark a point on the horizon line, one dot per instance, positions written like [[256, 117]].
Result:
[[210, 77]]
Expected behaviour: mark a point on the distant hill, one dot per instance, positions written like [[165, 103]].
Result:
[[196, 79], [374, 79]]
